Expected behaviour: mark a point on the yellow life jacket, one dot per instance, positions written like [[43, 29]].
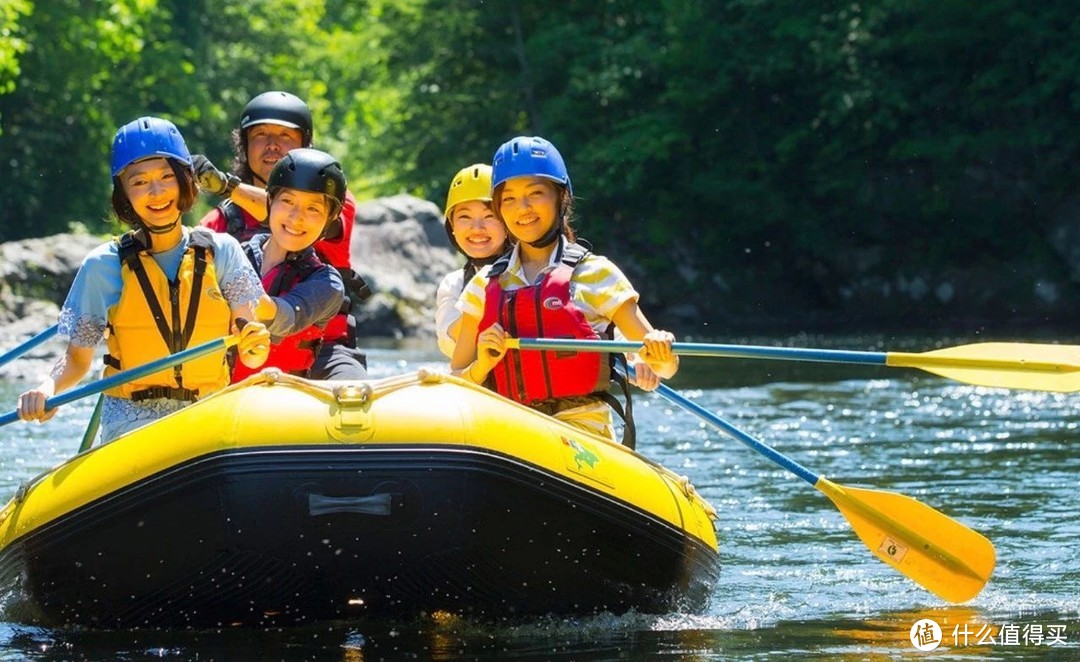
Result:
[[156, 317]]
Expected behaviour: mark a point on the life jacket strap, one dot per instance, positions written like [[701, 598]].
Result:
[[235, 223], [196, 288], [356, 288], [555, 405], [130, 247], [625, 412], [154, 392], [313, 344]]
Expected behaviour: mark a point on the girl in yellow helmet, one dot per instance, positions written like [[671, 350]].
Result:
[[478, 234], [550, 285]]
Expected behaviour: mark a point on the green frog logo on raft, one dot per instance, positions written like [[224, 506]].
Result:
[[582, 456]]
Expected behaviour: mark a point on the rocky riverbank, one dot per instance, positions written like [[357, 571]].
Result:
[[399, 245]]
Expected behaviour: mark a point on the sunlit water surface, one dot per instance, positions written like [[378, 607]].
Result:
[[795, 580]]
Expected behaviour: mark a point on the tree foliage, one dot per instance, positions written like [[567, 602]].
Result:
[[713, 141], [12, 45]]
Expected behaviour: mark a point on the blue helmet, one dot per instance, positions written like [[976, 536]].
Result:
[[147, 137], [529, 156]]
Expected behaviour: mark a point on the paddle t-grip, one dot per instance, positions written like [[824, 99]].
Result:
[[241, 322]]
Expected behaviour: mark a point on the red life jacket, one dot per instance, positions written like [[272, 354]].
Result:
[[293, 354], [544, 310], [239, 223], [331, 250]]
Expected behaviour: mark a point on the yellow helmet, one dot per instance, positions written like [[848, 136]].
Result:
[[472, 183]]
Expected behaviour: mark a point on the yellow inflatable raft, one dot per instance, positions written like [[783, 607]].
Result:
[[284, 500]]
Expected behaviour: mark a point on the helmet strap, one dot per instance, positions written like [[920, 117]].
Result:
[[256, 180], [484, 261], [556, 230], [475, 264], [549, 238], [160, 230], [551, 235]]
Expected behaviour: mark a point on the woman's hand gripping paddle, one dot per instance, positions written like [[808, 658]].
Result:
[[102, 385]]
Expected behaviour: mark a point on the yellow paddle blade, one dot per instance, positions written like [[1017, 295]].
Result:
[[937, 552], [1031, 366]]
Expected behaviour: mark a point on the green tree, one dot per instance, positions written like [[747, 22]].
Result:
[[75, 81], [12, 44], [720, 143]]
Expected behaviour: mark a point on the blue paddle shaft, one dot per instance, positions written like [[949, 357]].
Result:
[[126, 376], [709, 349], [16, 352], [769, 452], [694, 408]]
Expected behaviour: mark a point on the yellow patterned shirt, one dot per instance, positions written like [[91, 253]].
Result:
[[598, 288]]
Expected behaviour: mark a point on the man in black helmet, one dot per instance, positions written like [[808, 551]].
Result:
[[271, 125]]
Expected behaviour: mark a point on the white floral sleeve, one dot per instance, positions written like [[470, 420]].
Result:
[[239, 283], [96, 289]]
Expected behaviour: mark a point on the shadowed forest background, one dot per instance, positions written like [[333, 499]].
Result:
[[750, 164]]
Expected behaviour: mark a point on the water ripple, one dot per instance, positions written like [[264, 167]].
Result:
[[795, 578]]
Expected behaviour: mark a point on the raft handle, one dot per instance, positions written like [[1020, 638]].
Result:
[[375, 504]]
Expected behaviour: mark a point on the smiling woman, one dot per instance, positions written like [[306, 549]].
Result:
[[478, 234], [306, 190], [298, 218], [152, 181], [153, 191], [552, 286], [159, 289]]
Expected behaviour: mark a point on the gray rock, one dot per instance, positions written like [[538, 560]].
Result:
[[39, 269], [33, 317], [35, 275], [400, 247]]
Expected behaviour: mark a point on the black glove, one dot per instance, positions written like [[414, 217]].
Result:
[[211, 179]]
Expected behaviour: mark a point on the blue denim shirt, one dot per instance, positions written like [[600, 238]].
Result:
[[314, 300]]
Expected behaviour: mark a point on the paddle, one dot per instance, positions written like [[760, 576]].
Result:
[[1036, 367], [132, 374], [92, 425], [16, 352], [937, 552]]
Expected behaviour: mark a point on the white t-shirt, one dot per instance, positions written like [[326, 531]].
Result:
[[446, 313]]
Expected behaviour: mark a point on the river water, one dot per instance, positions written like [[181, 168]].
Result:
[[795, 580]]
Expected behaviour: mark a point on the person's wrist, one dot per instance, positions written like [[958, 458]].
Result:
[[469, 373], [231, 182]]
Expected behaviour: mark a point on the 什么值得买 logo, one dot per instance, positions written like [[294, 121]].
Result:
[[925, 634]]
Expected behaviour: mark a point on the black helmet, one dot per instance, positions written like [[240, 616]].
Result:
[[312, 170], [279, 108]]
